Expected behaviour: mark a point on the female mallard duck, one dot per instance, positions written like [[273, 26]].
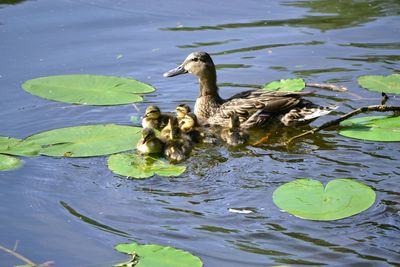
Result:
[[177, 144], [254, 107], [149, 143], [234, 135], [154, 118]]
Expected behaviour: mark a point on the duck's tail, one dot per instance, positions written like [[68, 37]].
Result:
[[304, 115]]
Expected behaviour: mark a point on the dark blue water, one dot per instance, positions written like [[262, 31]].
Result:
[[73, 211]]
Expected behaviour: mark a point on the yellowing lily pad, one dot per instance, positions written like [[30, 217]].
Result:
[[379, 83], [9, 163], [308, 199], [153, 255], [88, 89], [374, 128], [87, 140], [18, 147], [135, 166], [286, 85]]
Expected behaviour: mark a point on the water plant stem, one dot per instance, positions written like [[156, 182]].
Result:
[[18, 256], [378, 108], [328, 86]]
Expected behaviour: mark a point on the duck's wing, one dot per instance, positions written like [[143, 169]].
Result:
[[245, 104]]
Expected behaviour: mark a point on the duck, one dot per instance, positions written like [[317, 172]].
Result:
[[149, 143], [190, 126], [178, 145], [166, 131], [233, 135], [155, 119], [182, 110], [254, 108]]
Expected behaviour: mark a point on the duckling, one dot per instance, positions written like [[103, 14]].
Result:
[[181, 111], [166, 131], [149, 143], [234, 135], [254, 108], [189, 126], [177, 145], [154, 118]]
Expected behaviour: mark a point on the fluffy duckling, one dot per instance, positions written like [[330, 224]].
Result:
[[189, 126], [181, 111], [166, 131], [234, 135], [177, 145], [154, 118], [149, 143]]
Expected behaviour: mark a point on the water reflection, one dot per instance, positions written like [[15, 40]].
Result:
[[342, 14], [92, 222], [10, 2]]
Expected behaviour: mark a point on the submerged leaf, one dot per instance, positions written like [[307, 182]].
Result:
[[308, 199], [135, 166], [153, 255], [288, 85], [379, 83], [18, 147], [374, 128], [9, 163], [88, 89], [87, 140]]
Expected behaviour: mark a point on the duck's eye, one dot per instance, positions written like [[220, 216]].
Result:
[[195, 59]]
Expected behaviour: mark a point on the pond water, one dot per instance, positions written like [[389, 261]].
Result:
[[73, 211]]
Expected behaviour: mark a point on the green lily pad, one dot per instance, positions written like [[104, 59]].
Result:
[[88, 89], [18, 147], [87, 140], [379, 83], [288, 85], [153, 255], [308, 199], [9, 163], [135, 166], [373, 128]]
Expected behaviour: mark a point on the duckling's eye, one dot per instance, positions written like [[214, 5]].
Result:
[[195, 59]]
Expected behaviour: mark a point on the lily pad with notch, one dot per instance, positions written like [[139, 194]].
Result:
[[135, 166], [373, 128], [286, 85], [309, 199], [87, 140], [153, 255], [88, 89], [379, 83]]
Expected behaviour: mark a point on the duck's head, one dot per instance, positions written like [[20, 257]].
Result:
[[188, 122], [148, 134], [182, 110], [197, 63], [152, 112], [234, 121]]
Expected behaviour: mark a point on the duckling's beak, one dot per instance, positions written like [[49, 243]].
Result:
[[177, 71]]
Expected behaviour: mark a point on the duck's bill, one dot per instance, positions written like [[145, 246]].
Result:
[[177, 71]]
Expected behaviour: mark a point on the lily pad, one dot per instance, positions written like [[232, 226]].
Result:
[[9, 163], [379, 83], [87, 140], [154, 255], [18, 147], [373, 128], [308, 199], [286, 85], [135, 166], [88, 89]]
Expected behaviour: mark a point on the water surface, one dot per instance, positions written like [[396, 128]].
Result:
[[73, 211]]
